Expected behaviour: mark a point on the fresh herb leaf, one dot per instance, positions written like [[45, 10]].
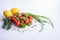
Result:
[[4, 24], [9, 24], [22, 26]]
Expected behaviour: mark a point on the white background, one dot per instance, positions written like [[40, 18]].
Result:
[[49, 8]]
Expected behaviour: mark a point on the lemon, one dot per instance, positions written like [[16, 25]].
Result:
[[15, 10], [7, 13]]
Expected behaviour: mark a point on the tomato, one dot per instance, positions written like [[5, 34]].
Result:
[[30, 20], [17, 23], [26, 21], [21, 21], [21, 17], [22, 14], [29, 17]]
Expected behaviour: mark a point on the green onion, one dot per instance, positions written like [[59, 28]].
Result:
[[48, 20], [38, 18]]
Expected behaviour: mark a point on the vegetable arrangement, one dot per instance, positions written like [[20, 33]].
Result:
[[21, 20]]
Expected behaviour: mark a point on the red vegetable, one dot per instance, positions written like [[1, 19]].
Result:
[[26, 21], [30, 20], [17, 23], [22, 14], [21, 21], [29, 17], [21, 17]]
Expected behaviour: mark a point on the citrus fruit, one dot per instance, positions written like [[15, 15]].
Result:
[[7, 13], [15, 10]]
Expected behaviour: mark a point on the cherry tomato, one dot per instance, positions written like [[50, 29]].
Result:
[[21, 21], [30, 20], [17, 23], [26, 21], [21, 17], [22, 14], [29, 17]]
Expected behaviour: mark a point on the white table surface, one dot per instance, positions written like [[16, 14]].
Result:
[[49, 8]]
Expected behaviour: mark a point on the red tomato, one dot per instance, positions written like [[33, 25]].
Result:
[[21, 17], [30, 20], [22, 14], [17, 23], [26, 21], [21, 21], [29, 17]]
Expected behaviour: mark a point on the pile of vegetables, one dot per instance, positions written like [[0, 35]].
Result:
[[21, 19]]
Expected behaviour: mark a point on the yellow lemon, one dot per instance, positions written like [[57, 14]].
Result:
[[7, 13], [15, 10]]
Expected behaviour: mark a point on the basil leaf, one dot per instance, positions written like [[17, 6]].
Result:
[[4, 23], [22, 26]]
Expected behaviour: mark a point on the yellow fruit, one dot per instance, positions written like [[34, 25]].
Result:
[[7, 13], [15, 10]]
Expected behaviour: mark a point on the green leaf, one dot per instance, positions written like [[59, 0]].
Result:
[[4, 23], [7, 23], [22, 26]]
